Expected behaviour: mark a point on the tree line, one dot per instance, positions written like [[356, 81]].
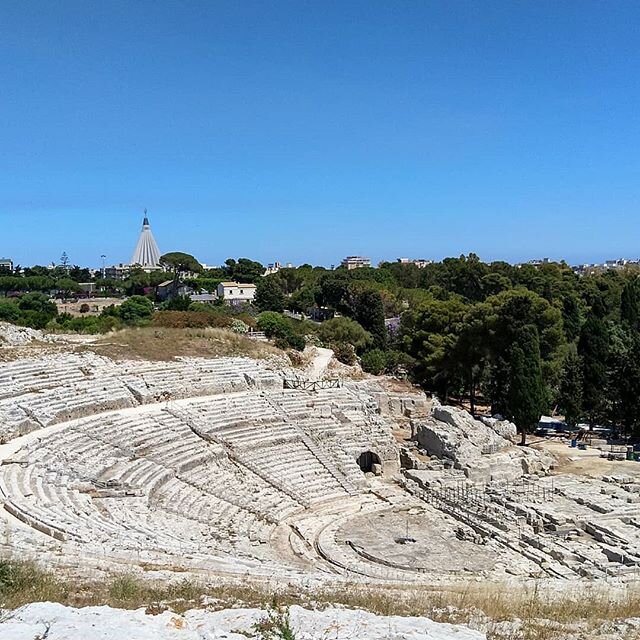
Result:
[[522, 340]]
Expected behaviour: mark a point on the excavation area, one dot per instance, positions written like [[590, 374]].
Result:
[[234, 467]]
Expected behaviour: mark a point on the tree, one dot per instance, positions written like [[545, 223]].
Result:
[[630, 303], [273, 324], [179, 303], [373, 361], [36, 310], [269, 295], [281, 328], [9, 311], [369, 312], [135, 309], [570, 397], [180, 264], [430, 334], [344, 331], [243, 270], [526, 396], [624, 387], [593, 348]]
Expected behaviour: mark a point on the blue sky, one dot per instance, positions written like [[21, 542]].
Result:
[[306, 131]]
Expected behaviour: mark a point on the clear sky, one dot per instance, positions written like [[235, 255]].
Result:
[[306, 131]]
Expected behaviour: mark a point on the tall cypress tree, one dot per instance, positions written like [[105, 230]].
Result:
[[593, 349], [369, 312], [630, 304], [571, 389], [526, 397]]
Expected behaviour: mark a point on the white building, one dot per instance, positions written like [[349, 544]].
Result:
[[356, 262], [418, 262], [236, 292], [6, 264]]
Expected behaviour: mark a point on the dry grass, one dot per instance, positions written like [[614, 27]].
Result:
[[159, 343], [504, 613]]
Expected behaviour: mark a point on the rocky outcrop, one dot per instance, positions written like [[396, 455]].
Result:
[[502, 427], [14, 336], [482, 452]]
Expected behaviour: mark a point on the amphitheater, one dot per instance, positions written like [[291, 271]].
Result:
[[218, 466]]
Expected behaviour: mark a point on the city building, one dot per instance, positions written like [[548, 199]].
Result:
[[356, 262], [147, 254], [236, 292], [420, 263], [6, 264], [117, 271], [272, 268]]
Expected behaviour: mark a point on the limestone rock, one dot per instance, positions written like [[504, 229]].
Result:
[[481, 451], [502, 427]]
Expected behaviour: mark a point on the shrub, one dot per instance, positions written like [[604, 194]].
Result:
[[345, 353], [296, 341], [190, 319], [273, 324], [179, 303], [136, 309], [344, 330], [9, 311], [85, 308], [374, 361], [36, 310], [237, 326], [275, 626]]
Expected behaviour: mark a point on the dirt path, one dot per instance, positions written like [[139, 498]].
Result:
[[319, 363]]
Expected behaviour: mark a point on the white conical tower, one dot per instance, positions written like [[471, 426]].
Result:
[[147, 254]]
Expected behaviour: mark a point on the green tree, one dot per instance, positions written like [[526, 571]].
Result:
[[269, 295], [135, 309], [624, 387], [593, 348], [526, 395], [630, 303], [344, 331], [243, 270], [571, 383], [9, 311], [369, 312], [37, 310], [179, 303], [180, 264], [430, 335], [373, 361]]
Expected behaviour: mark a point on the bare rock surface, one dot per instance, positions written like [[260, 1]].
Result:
[[483, 452], [14, 336], [57, 622]]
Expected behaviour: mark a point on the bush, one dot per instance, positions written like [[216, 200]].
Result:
[[273, 324], [237, 326], [345, 353], [179, 303], [374, 361], [84, 324], [344, 331], [136, 309], [399, 362], [85, 308], [9, 311], [36, 310], [190, 320], [282, 329], [296, 341]]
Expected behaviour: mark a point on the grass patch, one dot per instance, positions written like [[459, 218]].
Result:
[[160, 343], [503, 612]]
